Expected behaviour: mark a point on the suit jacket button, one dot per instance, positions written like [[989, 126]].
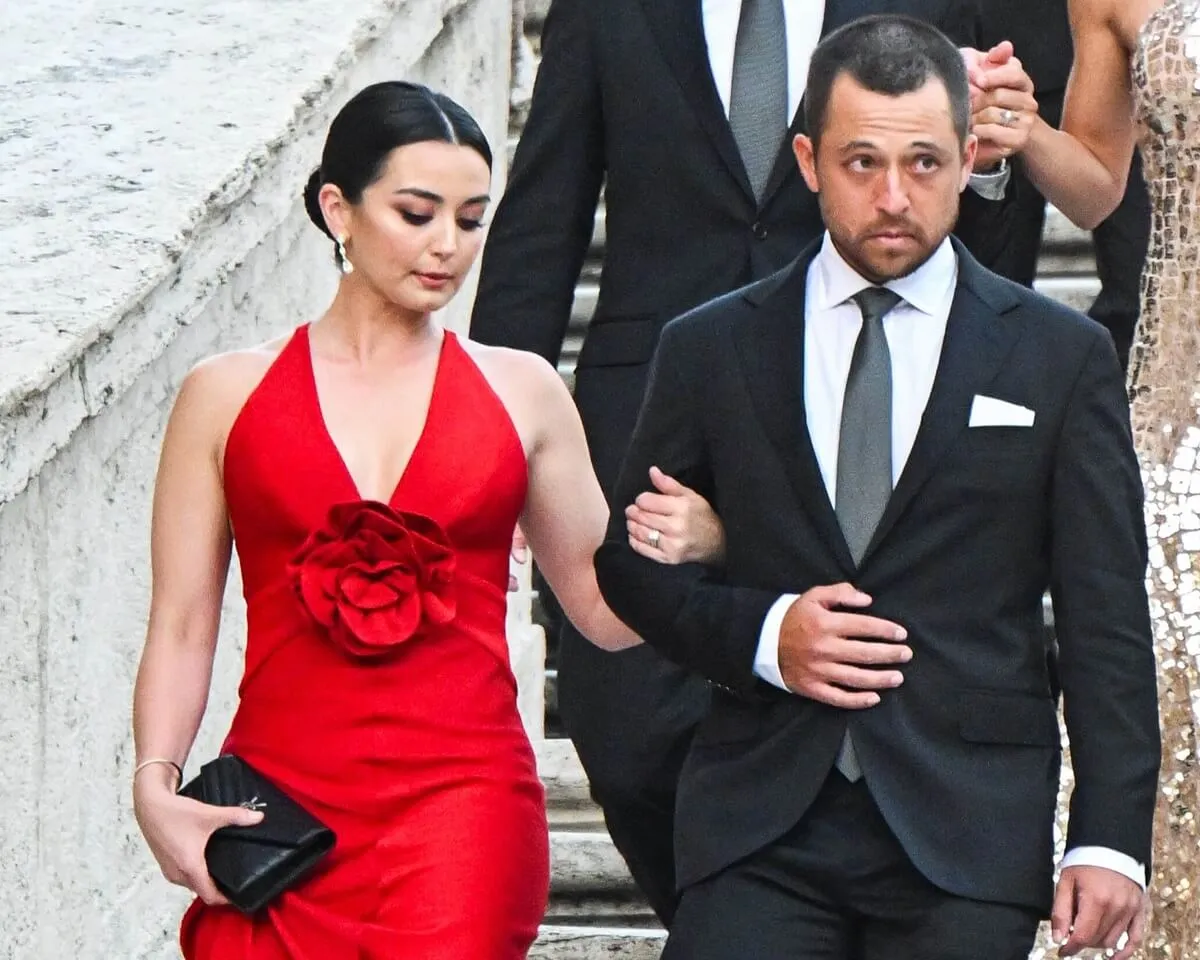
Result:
[[760, 230]]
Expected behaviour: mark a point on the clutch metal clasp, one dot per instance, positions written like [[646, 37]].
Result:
[[253, 804]]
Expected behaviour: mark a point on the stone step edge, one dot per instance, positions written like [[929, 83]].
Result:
[[562, 777], [581, 930], [600, 909], [556, 942], [585, 863]]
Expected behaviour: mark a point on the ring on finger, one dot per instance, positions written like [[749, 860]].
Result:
[[652, 538], [1008, 117]]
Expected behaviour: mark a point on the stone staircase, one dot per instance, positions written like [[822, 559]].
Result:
[[595, 909]]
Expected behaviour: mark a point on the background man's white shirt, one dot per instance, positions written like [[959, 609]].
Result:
[[804, 19]]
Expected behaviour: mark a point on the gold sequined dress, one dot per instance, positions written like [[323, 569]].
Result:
[[1164, 380]]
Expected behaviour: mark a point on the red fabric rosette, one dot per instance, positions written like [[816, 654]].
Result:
[[375, 577]]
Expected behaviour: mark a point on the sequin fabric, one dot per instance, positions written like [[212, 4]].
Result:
[[1164, 380]]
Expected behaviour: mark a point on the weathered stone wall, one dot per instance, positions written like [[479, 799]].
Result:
[[156, 154]]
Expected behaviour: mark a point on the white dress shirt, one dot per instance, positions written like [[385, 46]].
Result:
[[804, 20], [915, 329]]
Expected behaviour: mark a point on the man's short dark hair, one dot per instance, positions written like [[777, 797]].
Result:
[[887, 54]]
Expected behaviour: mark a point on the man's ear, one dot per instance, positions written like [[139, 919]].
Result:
[[802, 147], [970, 152]]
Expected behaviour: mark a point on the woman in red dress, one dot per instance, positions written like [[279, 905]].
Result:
[[370, 469]]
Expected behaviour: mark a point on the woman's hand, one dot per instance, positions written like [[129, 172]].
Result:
[[177, 830], [674, 525], [520, 556]]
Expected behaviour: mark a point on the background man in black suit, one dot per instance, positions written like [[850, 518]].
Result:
[[1041, 33], [906, 450], [681, 109]]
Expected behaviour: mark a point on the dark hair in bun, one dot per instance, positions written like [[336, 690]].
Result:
[[312, 203], [376, 121]]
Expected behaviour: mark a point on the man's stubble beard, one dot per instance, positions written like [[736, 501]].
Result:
[[851, 253], [850, 250]]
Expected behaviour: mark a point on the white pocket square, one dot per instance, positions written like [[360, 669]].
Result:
[[990, 412]]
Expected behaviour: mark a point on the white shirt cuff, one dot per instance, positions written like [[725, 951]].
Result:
[[1113, 860], [766, 657], [992, 186]]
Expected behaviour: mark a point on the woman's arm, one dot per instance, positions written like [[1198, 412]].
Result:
[[1082, 168], [565, 515], [190, 552]]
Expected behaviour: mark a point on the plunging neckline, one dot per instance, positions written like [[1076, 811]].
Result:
[[331, 443]]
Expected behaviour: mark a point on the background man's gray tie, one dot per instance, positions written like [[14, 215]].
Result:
[[758, 101], [864, 464]]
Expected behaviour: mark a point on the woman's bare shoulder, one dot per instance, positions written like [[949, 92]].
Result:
[[216, 389], [232, 371], [529, 387], [514, 371]]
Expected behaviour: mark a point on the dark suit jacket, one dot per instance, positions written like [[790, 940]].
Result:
[[1041, 34], [963, 759], [625, 98]]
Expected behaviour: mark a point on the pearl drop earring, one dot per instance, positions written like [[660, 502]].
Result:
[[347, 266]]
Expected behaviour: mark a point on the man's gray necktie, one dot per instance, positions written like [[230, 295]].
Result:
[[864, 464], [758, 101]]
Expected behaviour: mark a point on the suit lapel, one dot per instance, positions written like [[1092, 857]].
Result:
[[770, 350], [978, 339], [678, 27], [785, 162]]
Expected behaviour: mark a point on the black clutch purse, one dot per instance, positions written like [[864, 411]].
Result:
[[253, 865]]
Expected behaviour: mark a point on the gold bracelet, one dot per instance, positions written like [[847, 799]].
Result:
[[153, 760]]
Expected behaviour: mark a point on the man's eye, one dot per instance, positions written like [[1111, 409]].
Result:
[[927, 163], [861, 164], [416, 219]]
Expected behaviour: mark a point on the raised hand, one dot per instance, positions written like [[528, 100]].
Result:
[[1003, 107]]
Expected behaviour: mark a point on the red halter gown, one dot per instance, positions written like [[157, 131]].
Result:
[[377, 687]]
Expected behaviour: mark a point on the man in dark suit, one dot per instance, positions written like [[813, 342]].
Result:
[[906, 450], [1041, 34], [681, 109]]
